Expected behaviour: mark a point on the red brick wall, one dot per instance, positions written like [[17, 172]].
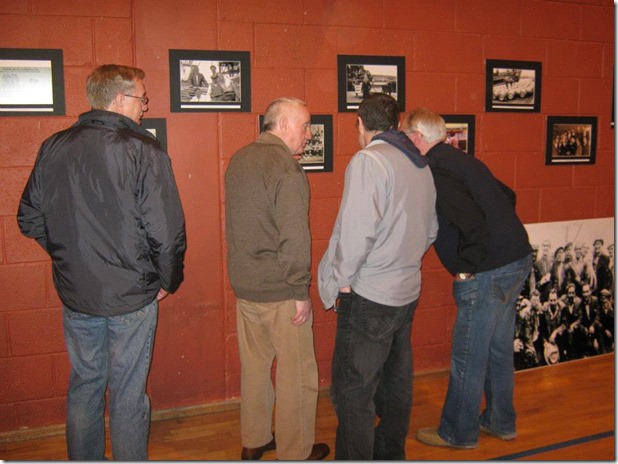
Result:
[[293, 46]]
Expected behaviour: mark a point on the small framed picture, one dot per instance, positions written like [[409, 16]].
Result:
[[359, 76], [31, 82], [460, 131], [318, 155], [571, 140], [513, 86], [214, 81], [158, 128]]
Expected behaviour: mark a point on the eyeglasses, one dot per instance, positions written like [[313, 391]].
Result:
[[144, 99]]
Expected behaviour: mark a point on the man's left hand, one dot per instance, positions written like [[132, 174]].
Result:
[[303, 311]]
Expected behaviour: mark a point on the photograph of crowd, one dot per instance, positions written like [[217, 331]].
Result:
[[566, 308], [318, 154], [314, 150], [571, 140]]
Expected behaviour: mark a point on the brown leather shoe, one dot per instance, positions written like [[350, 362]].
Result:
[[253, 454], [318, 452]]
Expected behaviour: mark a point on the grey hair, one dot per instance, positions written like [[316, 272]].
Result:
[[428, 123], [275, 110]]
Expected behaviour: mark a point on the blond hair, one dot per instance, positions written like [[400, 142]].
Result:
[[109, 80]]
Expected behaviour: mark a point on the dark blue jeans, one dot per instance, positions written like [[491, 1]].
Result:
[[372, 376], [482, 355]]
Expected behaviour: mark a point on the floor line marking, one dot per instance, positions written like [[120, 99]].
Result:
[[555, 446]]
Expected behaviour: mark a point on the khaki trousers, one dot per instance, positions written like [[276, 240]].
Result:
[[265, 333]]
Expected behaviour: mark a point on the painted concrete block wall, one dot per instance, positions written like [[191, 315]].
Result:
[[293, 46]]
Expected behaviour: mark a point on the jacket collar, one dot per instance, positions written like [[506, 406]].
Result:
[[111, 119]]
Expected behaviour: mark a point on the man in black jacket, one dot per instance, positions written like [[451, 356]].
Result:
[[484, 245], [102, 201]]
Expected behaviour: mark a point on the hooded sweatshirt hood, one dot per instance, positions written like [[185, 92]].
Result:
[[401, 141]]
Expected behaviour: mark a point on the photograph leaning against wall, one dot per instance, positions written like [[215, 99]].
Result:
[[566, 308]]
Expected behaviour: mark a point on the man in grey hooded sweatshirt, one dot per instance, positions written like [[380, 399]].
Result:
[[371, 270]]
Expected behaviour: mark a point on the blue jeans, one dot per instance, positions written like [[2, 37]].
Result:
[[115, 351], [372, 376], [482, 355]]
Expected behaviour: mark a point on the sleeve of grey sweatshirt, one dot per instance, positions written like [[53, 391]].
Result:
[[362, 207]]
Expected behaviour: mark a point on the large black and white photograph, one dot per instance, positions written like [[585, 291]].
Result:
[[571, 140], [210, 81], [318, 154], [360, 76], [566, 308], [31, 82], [513, 86], [460, 131]]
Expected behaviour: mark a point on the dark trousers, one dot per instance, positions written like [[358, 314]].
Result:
[[372, 377]]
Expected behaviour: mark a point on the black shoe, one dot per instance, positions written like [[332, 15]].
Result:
[[318, 452], [253, 454]]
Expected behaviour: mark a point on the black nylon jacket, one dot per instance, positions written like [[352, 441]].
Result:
[[102, 201], [479, 229]]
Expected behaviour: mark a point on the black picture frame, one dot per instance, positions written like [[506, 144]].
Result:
[[31, 82], [513, 86], [192, 88], [460, 131], [318, 156], [571, 140], [386, 74], [158, 128]]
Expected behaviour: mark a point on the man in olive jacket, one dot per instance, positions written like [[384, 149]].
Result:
[[269, 257]]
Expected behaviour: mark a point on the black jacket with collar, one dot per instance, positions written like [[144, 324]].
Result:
[[102, 201], [478, 227]]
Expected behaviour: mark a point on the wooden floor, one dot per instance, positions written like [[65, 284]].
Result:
[[565, 412]]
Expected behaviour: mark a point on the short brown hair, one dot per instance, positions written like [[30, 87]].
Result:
[[379, 112], [109, 80]]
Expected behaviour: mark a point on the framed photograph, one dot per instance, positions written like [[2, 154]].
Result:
[[158, 128], [460, 131], [31, 82], [571, 140], [359, 76], [513, 86], [571, 242], [212, 81], [318, 156]]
